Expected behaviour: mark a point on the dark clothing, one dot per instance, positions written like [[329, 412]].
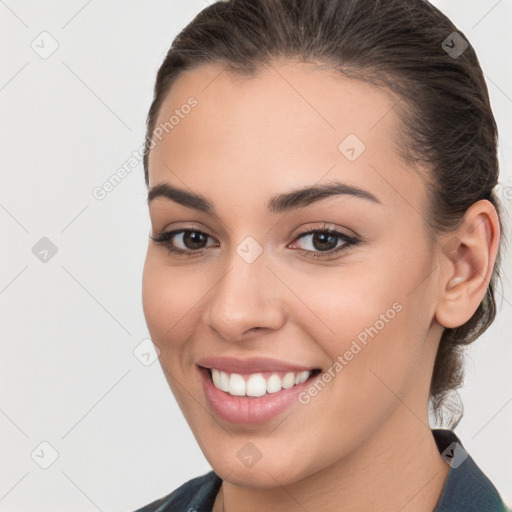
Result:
[[466, 488]]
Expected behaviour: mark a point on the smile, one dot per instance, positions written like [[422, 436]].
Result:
[[257, 384], [253, 398]]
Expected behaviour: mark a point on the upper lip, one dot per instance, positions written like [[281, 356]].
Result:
[[250, 365]]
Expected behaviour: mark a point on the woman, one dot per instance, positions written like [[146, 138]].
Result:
[[325, 239]]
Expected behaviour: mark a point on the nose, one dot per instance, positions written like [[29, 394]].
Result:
[[245, 299]]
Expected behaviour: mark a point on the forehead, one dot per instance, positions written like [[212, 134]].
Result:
[[289, 124]]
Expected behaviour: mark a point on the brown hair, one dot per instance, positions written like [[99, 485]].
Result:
[[403, 45]]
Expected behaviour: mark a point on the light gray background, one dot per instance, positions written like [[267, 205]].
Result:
[[69, 326]]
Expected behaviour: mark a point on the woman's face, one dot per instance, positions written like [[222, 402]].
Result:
[[251, 286]]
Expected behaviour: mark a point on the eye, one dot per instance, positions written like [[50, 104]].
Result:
[[193, 241], [324, 242]]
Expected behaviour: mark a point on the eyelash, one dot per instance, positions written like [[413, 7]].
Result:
[[165, 238]]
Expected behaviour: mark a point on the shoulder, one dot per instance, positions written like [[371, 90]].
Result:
[[196, 495]]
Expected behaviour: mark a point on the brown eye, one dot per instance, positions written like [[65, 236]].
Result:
[[192, 241], [326, 242]]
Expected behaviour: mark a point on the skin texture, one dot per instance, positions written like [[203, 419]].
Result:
[[364, 441]]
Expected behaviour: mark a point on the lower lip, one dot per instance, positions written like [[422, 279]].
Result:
[[250, 410]]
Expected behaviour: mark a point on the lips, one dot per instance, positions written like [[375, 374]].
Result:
[[242, 400], [250, 365]]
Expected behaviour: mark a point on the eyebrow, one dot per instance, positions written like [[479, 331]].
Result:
[[287, 201]]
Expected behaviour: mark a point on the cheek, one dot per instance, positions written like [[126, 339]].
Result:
[[169, 300], [376, 352], [339, 305], [373, 319]]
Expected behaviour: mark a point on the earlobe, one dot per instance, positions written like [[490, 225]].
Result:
[[467, 263]]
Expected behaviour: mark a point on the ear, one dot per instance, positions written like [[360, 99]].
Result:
[[467, 261]]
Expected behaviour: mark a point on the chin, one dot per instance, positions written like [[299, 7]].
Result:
[[258, 477]]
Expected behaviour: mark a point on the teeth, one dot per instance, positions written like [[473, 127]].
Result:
[[273, 384], [288, 380], [224, 381], [237, 385], [256, 384]]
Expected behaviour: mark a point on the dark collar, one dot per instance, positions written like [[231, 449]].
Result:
[[466, 488]]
